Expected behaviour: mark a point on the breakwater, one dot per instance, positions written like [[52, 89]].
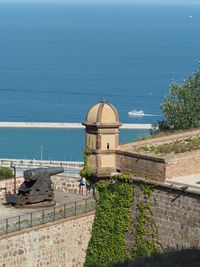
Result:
[[68, 125]]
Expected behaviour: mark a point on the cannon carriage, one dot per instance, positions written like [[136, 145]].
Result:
[[37, 187]]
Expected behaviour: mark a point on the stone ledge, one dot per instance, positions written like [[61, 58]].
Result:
[[172, 186], [140, 156]]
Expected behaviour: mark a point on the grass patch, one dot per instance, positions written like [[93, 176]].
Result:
[[179, 146]]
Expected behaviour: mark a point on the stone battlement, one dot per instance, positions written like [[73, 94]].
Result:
[[129, 158]]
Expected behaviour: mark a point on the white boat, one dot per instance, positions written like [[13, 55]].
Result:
[[190, 16], [139, 113]]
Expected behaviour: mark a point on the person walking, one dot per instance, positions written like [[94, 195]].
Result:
[[82, 186]]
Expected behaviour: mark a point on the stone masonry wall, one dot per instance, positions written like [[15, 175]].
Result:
[[180, 164], [59, 244], [142, 166], [159, 168], [176, 215], [9, 184], [66, 183]]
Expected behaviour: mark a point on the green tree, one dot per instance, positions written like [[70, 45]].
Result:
[[181, 107], [5, 173]]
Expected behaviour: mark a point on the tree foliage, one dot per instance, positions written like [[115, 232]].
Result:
[[181, 107]]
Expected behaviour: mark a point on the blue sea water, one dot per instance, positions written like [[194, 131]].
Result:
[[58, 60], [55, 144]]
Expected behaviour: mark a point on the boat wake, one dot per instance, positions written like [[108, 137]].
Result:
[[140, 113]]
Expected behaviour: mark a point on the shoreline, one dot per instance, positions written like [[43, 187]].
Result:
[[67, 125]]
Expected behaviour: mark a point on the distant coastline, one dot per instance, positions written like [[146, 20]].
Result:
[[66, 125]]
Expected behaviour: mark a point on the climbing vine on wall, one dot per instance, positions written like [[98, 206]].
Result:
[[145, 230], [85, 172], [107, 244]]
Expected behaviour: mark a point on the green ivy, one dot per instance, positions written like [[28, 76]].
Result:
[[145, 230], [85, 172], [112, 220]]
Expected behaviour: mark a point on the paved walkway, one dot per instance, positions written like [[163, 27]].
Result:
[[60, 198], [191, 180]]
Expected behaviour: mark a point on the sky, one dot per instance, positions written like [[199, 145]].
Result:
[[189, 2]]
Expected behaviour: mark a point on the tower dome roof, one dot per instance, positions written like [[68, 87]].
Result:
[[102, 113]]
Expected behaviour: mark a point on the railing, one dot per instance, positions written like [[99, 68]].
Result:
[[44, 216]]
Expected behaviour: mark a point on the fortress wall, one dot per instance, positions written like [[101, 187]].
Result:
[[62, 243], [181, 164], [142, 166], [176, 214]]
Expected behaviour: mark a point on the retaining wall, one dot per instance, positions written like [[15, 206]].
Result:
[[62, 244]]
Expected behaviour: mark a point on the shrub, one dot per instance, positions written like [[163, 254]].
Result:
[[5, 173]]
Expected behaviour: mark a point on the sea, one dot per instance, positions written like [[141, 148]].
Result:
[[58, 60]]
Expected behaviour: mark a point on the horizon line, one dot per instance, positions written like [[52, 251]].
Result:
[[102, 2]]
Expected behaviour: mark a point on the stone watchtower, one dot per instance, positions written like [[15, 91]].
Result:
[[102, 138]]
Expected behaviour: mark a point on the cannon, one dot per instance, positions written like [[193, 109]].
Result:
[[37, 187]]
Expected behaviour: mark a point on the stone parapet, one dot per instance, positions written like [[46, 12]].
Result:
[[141, 165]]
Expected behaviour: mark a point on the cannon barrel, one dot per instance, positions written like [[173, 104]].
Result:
[[34, 174], [55, 170]]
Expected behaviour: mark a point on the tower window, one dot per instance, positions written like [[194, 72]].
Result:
[[108, 145]]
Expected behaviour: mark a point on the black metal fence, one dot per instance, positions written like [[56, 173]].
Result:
[[43, 216]]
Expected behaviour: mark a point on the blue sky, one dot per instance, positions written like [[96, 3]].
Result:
[[189, 2]]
